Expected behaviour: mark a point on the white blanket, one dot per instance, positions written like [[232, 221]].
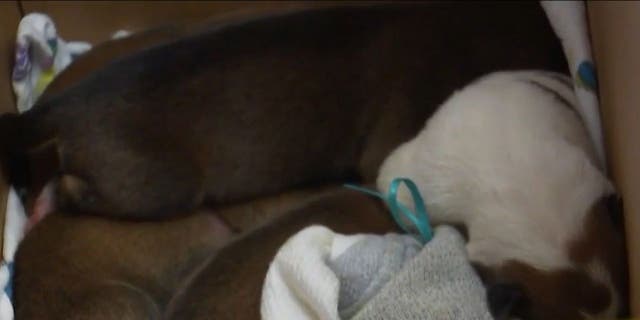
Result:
[[318, 274]]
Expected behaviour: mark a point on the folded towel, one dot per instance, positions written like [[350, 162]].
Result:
[[438, 283], [299, 285], [367, 266], [318, 274]]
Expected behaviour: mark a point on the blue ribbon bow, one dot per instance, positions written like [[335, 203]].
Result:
[[420, 218]]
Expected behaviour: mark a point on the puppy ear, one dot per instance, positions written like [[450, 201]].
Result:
[[505, 300]]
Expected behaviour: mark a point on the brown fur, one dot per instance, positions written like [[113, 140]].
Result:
[[104, 53], [598, 243], [230, 286], [102, 292], [586, 294], [73, 267], [227, 284], [44, 159], [521, 290], [269, 104]]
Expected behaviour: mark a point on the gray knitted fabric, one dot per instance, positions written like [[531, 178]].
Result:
[[367, 266], [384, 278]]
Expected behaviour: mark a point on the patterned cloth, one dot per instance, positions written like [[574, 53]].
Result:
[[15, 222], [40, 55], [569, 21]]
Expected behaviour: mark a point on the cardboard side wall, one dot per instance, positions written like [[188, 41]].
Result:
[[615, 31]]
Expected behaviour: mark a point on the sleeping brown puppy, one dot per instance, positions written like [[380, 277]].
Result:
[[80, 267], [129, 270], [267, 104], [230, 285], [43, 160]]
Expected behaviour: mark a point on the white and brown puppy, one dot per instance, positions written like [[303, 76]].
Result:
[[509, 158]]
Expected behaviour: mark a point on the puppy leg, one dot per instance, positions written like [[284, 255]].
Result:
[[230, 285]]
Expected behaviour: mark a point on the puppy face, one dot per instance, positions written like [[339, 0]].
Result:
[[524, 292], [593, 288]]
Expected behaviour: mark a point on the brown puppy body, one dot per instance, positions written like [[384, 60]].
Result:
[[73, 267], [269, 104], [42, 161], [230, 286], [127, 269]]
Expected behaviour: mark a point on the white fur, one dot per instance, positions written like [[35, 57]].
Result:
[[510, 161]]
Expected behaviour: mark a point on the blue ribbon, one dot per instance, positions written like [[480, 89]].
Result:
[[420, 218]]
